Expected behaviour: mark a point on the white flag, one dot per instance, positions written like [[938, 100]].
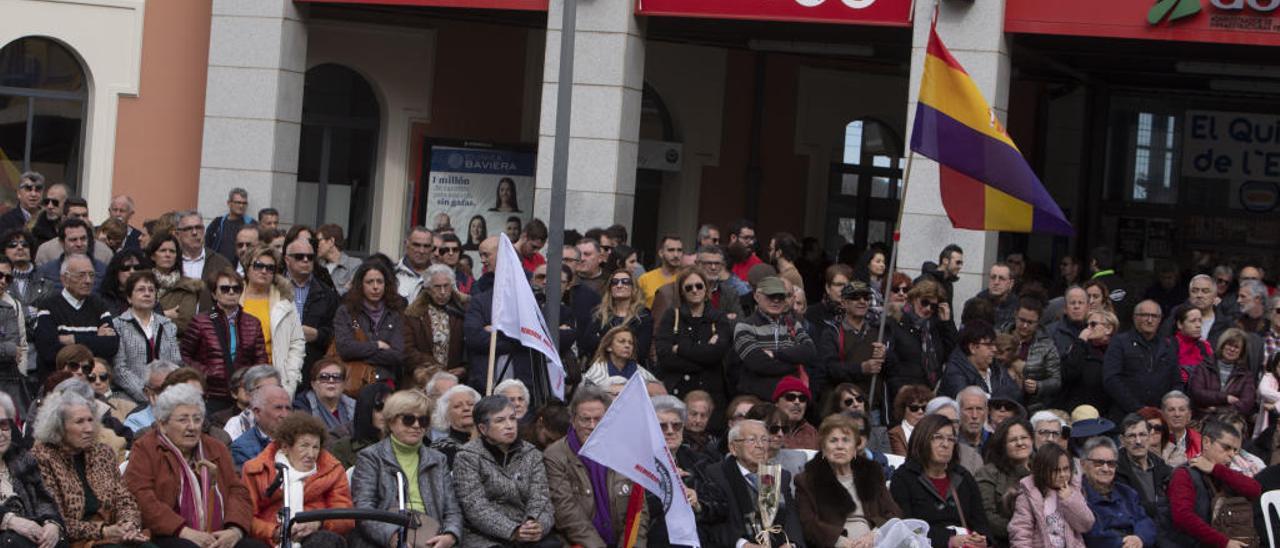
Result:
[[516, 313], [629, 441]]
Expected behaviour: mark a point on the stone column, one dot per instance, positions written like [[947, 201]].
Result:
[[253, 105], [608, 77], [966, 29]]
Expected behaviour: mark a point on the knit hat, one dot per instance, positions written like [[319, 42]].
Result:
[[791, 384]]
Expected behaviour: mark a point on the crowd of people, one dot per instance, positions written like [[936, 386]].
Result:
[[155, 381]]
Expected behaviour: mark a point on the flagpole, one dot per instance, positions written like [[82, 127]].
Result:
[[888, 277], [493, 352]]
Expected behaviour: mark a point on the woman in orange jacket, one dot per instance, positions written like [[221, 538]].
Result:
[[315, 478]]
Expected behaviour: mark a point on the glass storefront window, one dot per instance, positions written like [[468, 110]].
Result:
[[42, 110]]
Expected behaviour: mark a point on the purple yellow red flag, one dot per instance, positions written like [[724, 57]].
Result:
[[986, 184]]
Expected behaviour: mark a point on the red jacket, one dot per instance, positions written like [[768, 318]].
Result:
[[205, 346], [327, 488], [1182, 501]]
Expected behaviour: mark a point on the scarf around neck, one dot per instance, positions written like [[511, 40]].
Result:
[[599, 476], [199, 498]]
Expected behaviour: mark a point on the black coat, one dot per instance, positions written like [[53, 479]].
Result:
[[1137, 372], [842, 352], [711, 499], [31, 499], [687, 360], [917, 498], [904, 362], [641, 327], [318, 312], [1082, 378], [741, 507]]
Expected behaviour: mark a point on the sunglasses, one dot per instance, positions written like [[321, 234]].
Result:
[[859, 297], [448, 250], [1104, 463], [915, 408], [7, 277], [245, 245], [86, 367], [230, 289], [849, 401], [695, 286], [1156, 427], [30, 187], [379, 402], [928, 304], [421, 420], [774, 429], [263, 267], [620, 281], [15, 244], [671, 426], [331, 377], [777, 298], [105, 377], [795, 397], [902, 290], [308, 257], [51, 201], [1003, 406], [131, 268]]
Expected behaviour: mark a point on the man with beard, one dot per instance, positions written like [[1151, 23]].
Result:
[[741, 250], [947, 271]]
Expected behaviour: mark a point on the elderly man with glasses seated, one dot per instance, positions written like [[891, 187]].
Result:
[[75, 315]]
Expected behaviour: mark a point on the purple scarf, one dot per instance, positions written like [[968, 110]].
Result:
[[199, 498], [375, 315], [599, 476]]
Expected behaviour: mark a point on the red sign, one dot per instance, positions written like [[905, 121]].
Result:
[[522, 5], [1251, 22], [894, 13]]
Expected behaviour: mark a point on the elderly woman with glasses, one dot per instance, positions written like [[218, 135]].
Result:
[[81, 473], [269, 298], [145, 335], [452, 422], [315, 480], [186, 482], [425, 478], [841, 495], [29, 517], [932, 486], [326, 400], [502, 483], [707, 500]]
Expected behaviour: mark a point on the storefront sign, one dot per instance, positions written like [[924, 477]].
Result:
[[1239, 149], [523, 5], [480, 189], [1252, 22], [896, 13]]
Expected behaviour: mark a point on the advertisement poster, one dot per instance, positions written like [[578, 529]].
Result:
[[481, 190], [1242, 150]]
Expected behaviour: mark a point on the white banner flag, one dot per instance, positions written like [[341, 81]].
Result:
[[516, 313], [629, 441]]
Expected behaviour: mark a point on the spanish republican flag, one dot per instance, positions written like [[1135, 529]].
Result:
[[986, 184]]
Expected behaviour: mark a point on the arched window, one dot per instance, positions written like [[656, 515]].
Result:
[[863, 201], [42, 111], [338, 153]]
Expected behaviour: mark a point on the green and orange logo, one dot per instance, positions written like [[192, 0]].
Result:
[[1172, 10]]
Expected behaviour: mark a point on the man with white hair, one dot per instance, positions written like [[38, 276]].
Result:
[[240, 416], [1252, 300], [737, 477], [29, 193], [271, 404], [121, 209], [76, 315], [973, 417], [199, 261]]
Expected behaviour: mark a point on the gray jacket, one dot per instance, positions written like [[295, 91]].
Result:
[[497, 498], [342, 271], [132, 358], [13, 337], [1044, 366], [373, 485]]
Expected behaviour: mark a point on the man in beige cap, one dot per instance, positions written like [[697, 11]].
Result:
[[770, 344]]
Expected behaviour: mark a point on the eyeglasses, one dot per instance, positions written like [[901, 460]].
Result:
[[421, 420], [15, 244], [753, 441], [230, 289], [942, 438], [263, 267], [305, 257], [86, 367], [901, 290], [245, 245], [238, 202], [795, 397], [1104, 463], [105, 377], [1146, 316], [191, 228], [1049, 434], [915, 408], [707, 264], [695, 286], [618, 282], [30, 187], [331, 377], [51, 201], [672, 427]]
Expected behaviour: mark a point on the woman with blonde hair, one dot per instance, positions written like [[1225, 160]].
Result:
[[616, 356], [622, 305], [268, 297]]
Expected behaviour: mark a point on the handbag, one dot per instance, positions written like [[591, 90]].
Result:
[[1232, 515], [359, 373]]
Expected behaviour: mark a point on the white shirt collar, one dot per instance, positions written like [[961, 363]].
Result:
[[74, 302]]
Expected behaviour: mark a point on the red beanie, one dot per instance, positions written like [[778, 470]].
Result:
[[791, 384]]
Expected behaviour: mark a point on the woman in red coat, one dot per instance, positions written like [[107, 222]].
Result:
[[315, 481], [225, 339]]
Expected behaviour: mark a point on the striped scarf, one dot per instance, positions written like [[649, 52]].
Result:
[[199, 499]]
